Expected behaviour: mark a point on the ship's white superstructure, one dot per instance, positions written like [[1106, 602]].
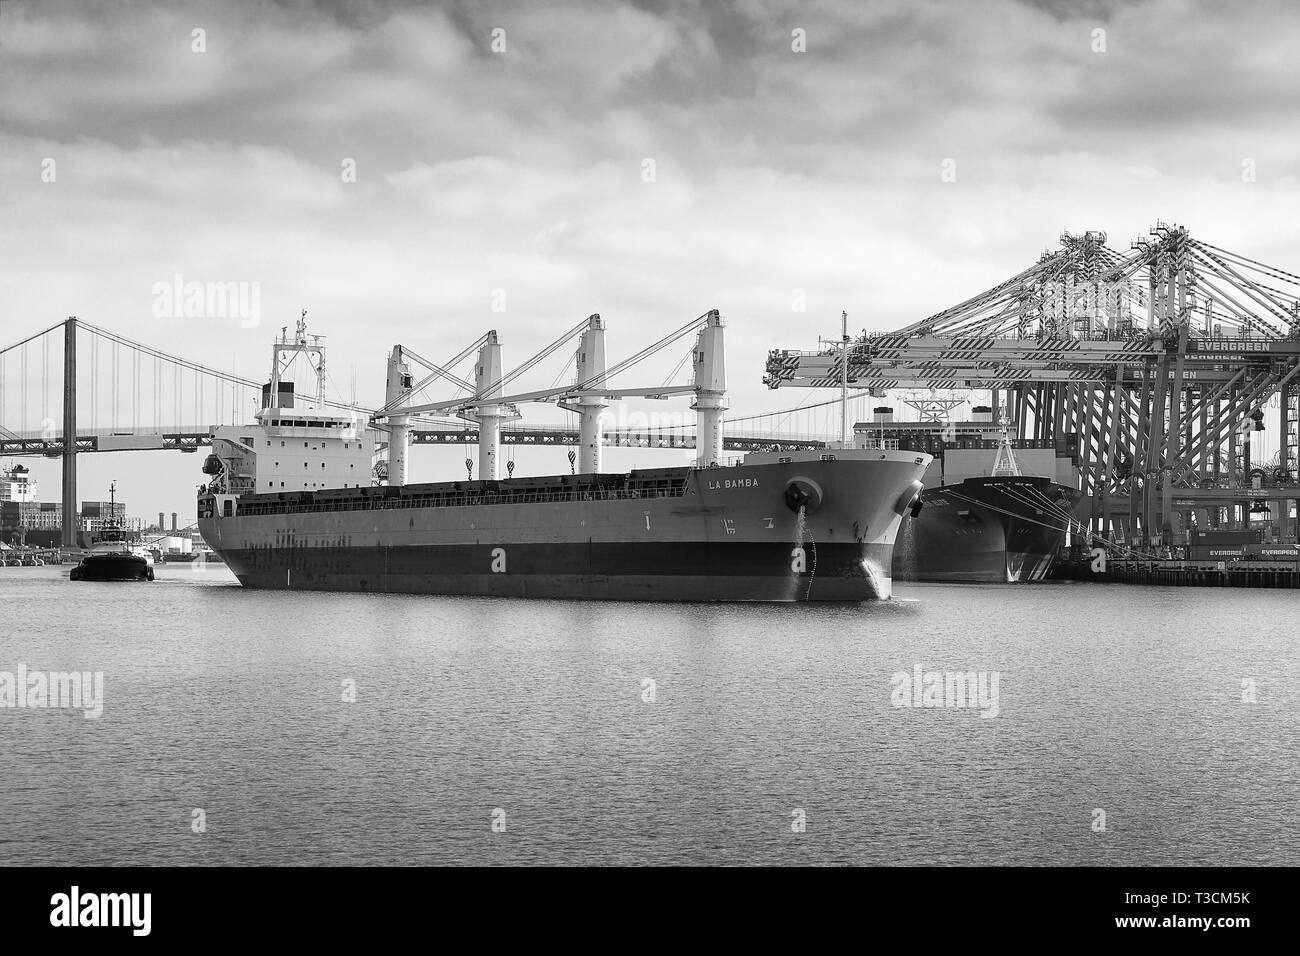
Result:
[[290, 447], [16, 484]]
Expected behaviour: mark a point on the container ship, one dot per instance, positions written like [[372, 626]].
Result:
[[991, 512], [290, 502]]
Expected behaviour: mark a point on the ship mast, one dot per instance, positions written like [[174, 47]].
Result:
[[110, 524], [844, 377], [1004, 464], [300, 344]]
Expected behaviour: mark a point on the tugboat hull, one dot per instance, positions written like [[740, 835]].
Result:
[[112, 567]]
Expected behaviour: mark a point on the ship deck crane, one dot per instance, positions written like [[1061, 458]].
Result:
[[489, 405], [399, 387]]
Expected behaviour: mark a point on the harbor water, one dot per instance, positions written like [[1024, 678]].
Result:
[[1118, 725]]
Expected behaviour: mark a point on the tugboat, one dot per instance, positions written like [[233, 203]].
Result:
[[113, 557]]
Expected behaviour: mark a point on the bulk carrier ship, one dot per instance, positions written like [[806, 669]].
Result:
[[290, 502]]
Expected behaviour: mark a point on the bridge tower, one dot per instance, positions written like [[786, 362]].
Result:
[[69, 521]]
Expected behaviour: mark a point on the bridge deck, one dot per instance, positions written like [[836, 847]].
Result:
[[189, 440]]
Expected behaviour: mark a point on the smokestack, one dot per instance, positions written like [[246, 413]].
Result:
[[173, 521], [981, 413], [283, 397], [882, 414]]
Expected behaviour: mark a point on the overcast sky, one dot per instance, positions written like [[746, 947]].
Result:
[[645, 161]]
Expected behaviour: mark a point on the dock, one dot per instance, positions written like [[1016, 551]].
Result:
[[1177, 573]]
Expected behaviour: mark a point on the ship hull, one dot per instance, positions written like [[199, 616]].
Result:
[[988, 531], [724, 534], [112, 567], [710, 572]]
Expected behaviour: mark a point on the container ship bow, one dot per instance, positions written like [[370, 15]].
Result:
[[984, 518], [290, 503]]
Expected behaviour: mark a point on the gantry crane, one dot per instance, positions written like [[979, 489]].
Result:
[[1154, 365]]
